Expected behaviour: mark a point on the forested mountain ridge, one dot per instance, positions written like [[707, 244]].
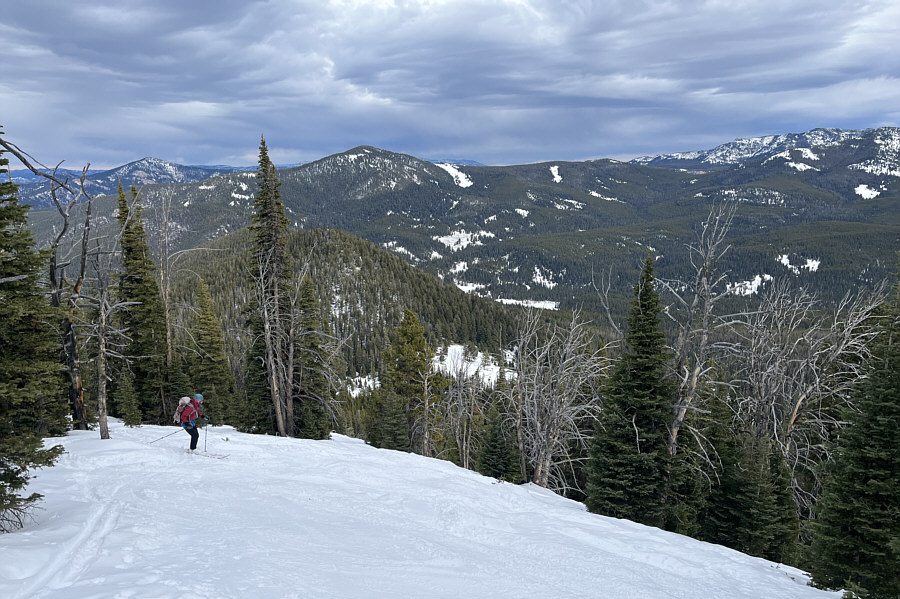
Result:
[[363, 291], [827, 214]]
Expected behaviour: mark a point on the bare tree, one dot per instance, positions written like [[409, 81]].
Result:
[[460, 408], [695, 314], [162, 208], [423, 410], [554, 399], [795, 364], [279, 347], [283, 333], [111, 340]]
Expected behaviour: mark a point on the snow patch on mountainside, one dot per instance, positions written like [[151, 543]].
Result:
[[748, 287], [866, 192], [453, 360], [801, 166], [554, 170], [541, 304], [566, 204], [887, 162], [745, 148], [468, 287], [603, 197], [459, 177], [787, 155], [543, 277], [752, 195], [811, 264], [458, 240], [399, 249]]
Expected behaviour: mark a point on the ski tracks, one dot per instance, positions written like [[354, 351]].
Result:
[[77, 554]]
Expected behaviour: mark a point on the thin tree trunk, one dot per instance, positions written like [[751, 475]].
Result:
[[101, 373]]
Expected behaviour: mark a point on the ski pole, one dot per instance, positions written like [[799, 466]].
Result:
[[205, 435], [161, 438]]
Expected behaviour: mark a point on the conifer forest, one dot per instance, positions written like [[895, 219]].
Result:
[[769, 424]]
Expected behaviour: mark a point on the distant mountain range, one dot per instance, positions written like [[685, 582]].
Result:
[[741, 150], [35, 190], [546, 232]]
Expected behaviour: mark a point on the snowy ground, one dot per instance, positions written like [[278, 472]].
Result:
[[327, 519]]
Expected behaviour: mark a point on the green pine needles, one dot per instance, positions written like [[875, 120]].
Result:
[[629, 461], [32, 400], [856, 534]]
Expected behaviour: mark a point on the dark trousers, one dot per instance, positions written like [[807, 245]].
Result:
[[193, 432]]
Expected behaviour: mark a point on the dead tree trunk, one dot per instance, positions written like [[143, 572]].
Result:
[[696, 317]]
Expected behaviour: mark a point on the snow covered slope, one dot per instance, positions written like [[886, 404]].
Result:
[[295, 518], [746, 148]]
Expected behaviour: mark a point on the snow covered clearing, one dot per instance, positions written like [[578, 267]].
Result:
[[812, 265], [748, 287], [541, 304], [458, 240], [290, 518], [459, 177], [866, 192], [557, 178], [453, 359], [603, 197]]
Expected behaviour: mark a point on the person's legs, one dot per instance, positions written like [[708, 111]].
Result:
[[192, 431]]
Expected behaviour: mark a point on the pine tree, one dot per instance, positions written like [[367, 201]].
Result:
[[497, 457], [313, 420], [751, 506], [32, 401], [178, 385], [388, 428], [126, 401], [406, 363], [144, 320], [856, 533], [629, 461], [270, 271], [210, 373]]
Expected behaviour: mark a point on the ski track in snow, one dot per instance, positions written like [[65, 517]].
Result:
[[288, 518]]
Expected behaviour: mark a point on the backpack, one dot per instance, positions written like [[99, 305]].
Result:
[[189, 412]]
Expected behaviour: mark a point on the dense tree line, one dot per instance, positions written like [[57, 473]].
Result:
[[771, 429]]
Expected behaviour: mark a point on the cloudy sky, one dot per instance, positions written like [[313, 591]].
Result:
[[497, 81]]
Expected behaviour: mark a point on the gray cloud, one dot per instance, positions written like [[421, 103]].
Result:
[[500, 81]]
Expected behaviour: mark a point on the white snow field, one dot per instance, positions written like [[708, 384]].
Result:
[[292, 518]]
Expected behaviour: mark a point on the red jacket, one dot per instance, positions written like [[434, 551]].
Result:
[[189, 412]]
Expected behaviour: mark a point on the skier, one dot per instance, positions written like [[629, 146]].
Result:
[[187, 414]]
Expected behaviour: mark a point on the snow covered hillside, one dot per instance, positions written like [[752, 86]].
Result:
[[325, 519]]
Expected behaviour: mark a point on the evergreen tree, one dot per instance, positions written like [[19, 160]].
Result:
[[210, 373], [254, 410], [179, 384], [406, 362], [32, 401], [628, 469], [313, 419], [144, 320], [784, 522], [126, 401], [497, 457], [856, 533], [388, 428], [751, 506], [270, 271]]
